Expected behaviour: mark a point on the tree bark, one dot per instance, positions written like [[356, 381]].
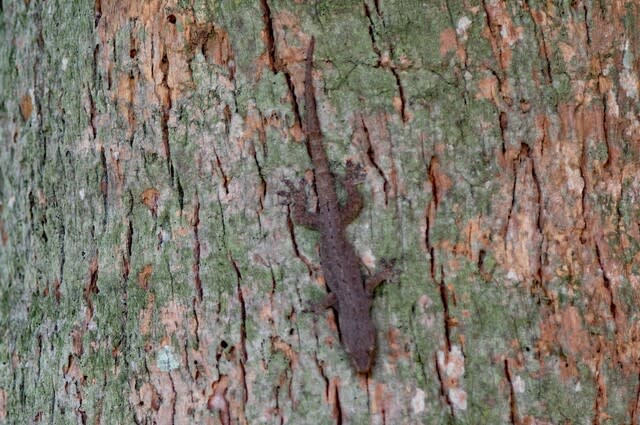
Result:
[[150, 274]]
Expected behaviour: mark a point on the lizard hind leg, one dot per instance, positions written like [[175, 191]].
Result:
[[296, 199]]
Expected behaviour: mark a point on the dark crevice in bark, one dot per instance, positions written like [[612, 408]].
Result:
[[585, 15], [600, 394], [434, 181], [62, 237], [275, 64], [104, 187], [444, 392], [97, 9], [534, 176], [542, 45], [243, 328], [122, 344], [129, 243], [383, 413], [223, 226], [131, 113], [417, 352], [607, 284], [269, 33], [636, 406], [323, 375], [92, 114], [338, 406], [504, 125], [166, 103], [195, 222], [180, 193], [272, 291], [39, 355], [372, 158], [294, 101], [497, 52], [390, 66], [94, 67], [91, 287], [372, 35], [403, 101], [512, 206], [262, 186], [444, 298], [585, 188], [432, 255], [196, 319], [431, 210], [175, 399], [513, 407], [605, 132], [376, 4], [225, 179], [277, 404], [294, 243]]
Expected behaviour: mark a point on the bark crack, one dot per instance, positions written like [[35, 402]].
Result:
[[542, 42], [445, 305], [513, 407], [372, 158], [166, 103], [104, 187], [431, 212], [195, 223], [444, 392], [243, 330], [386, 63], [294, 244]]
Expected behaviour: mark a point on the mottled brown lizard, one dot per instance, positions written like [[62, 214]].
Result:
[[350, 294]]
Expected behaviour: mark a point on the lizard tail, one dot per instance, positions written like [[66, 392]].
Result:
[[312, 123]]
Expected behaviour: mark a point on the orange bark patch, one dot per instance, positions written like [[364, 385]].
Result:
[[332, 397], [150, 197], [26, 106], [568, 52], [501, 31], [144, 276], [218, 47], [146, 314], [565, 329], [448, 41], [487, 88], [572, 336]]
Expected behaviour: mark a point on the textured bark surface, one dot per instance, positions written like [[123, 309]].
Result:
[[148, 273]]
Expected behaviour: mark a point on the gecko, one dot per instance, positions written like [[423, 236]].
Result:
[[350, 295]]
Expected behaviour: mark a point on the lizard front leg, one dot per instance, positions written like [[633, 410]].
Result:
[[373, 281], [297, 201], [353, 205]]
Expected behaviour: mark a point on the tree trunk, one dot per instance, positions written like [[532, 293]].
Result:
[[150, 274]]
